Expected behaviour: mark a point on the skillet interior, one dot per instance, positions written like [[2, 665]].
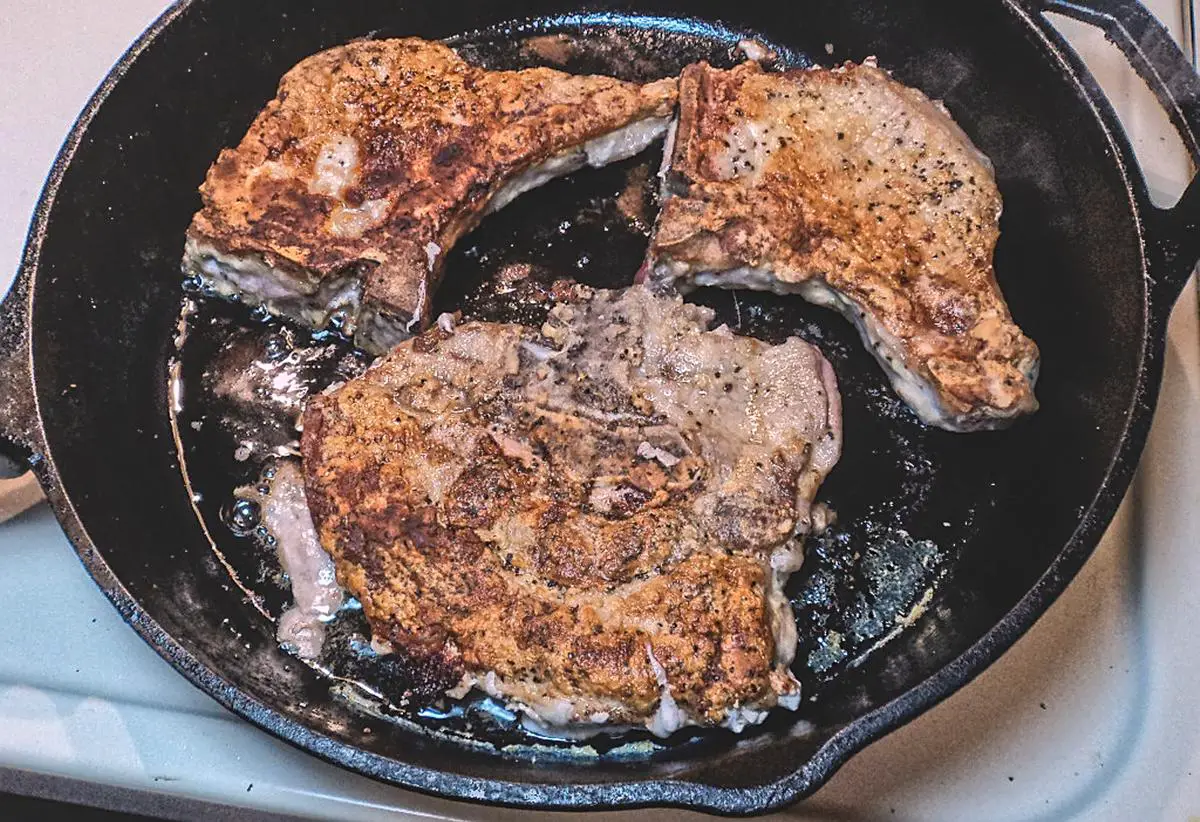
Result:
[[1004, 503]]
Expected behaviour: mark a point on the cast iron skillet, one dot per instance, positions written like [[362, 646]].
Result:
[[1090, 267]]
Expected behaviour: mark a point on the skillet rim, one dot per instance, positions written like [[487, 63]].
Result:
[[627, 794]]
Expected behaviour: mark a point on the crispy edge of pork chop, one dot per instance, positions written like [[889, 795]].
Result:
[[593, 552], [859, 194], [340, 203]]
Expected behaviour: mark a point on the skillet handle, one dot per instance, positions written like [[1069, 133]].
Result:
[[1172, 234], [18, 426]]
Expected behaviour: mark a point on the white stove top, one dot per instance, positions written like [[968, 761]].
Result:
[[1092, 715]]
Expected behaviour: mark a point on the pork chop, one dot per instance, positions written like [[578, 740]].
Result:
[[860, 194], [341, 202], [593, 522]]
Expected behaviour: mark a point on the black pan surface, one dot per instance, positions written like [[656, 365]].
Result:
[[965, 539]]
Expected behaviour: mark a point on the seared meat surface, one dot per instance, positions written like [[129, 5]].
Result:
[[593, 521], [858, 193], [341, 201]]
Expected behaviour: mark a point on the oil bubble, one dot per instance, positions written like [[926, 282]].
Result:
[[242, 516]]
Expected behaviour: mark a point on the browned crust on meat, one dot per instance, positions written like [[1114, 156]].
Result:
[[435, 138], [431, 586], [854, 179], [456, 486]]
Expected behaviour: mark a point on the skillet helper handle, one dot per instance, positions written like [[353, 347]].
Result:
[[1172, 234], [19, 489]]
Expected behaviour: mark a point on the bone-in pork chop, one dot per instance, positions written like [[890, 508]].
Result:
[[858, 193], [593, 521], [342, 200]]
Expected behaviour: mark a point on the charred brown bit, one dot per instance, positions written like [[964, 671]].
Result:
[[556, 49], [632, 201]]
